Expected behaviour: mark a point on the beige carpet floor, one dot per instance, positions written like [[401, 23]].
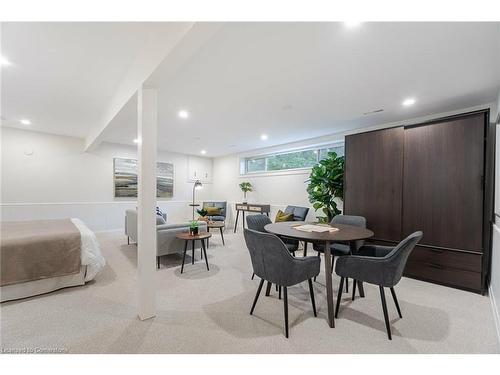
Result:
[[208, 312]]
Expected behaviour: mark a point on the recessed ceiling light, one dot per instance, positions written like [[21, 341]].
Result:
[[264, 137], [4, 61], [203, 152], [183, 114], [409, 101], [352, 24], [25, 121]]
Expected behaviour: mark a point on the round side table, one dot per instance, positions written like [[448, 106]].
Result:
[[186, 237]]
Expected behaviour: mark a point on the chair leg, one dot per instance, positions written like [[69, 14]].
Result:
[[311, 292], [128, 240], [158, 263], [319, 256], [253, 275], [347, 285], [339, 296], [305, 248], [354, 282], [285, 307], [279, 292], [386, 315], [276, 285], [257, 295], [396, 302], [268, 288]]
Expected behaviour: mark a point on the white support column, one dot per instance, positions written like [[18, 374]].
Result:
[[147, 121]]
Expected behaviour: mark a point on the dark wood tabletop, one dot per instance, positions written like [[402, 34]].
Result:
[[343, 234], [199, 236]]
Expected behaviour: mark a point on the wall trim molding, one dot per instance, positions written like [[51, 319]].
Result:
[[495, 311]]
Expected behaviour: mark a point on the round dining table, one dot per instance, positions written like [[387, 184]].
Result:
[[343, 233]]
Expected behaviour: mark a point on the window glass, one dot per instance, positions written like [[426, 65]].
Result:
[[256, 165], [291, 160]]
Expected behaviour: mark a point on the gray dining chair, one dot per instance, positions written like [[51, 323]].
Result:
[[258, 222], [379, 265], [272, 262], [339, 249], [299, 214]]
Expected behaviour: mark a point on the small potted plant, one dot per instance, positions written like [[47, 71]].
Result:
[[193, 228], [203, 214], [245, 188]]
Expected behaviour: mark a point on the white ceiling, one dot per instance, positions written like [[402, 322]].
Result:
[[291, 81], [63, 76]]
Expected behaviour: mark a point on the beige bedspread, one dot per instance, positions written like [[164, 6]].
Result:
[[33, 250]]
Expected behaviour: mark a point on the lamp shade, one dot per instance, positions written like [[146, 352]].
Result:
[[198, 185]]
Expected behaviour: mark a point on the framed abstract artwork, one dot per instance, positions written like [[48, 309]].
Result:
[[125, 179]]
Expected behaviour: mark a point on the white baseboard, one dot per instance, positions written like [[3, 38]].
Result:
[[495, 311]]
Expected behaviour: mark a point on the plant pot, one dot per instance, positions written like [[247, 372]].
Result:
[[193, 231]]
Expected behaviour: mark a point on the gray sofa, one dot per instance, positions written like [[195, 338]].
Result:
[[166, 242]]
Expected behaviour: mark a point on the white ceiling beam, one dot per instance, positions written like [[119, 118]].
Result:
[[162, 40]]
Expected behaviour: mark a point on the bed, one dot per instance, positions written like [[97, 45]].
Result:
[[38, 257]]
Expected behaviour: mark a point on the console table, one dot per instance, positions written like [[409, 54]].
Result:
[[250, 207]]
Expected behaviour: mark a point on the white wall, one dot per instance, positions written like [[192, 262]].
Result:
[[278, 190], [495, 256], [60, 180]]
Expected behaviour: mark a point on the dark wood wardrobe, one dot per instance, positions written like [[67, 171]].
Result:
[[436, 177]]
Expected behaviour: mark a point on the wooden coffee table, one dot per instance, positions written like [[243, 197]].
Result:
[[217, 224], [198, 237]]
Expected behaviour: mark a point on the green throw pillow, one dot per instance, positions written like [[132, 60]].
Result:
[[281, 216], [213, 211]]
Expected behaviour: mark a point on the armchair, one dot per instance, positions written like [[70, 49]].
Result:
[[273, 263], [379, 265]]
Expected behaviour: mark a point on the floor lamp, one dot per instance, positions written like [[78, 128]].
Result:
[[197, 186]]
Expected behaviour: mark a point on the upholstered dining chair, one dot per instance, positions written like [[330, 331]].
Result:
[[272, 262], [339, 249], [379, 265], [258, 222], [299, 214]]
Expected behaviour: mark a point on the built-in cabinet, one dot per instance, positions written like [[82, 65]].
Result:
[[434, 177], [199, 169]]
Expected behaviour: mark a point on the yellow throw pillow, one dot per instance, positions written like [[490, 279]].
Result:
[[213, 211], [281, 216]]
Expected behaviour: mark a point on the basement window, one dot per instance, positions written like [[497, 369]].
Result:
[[300, 159]]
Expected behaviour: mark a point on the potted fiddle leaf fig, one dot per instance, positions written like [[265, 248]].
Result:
[[245, 188], [326, 186]]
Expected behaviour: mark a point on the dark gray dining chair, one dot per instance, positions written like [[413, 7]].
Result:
[[272, 262], [339, 249], [379, 265], [258, 222], [299, 214]]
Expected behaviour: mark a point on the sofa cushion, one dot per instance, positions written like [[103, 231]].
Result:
[[216, 218], [281, 216], [213, 211], [160, 220]]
